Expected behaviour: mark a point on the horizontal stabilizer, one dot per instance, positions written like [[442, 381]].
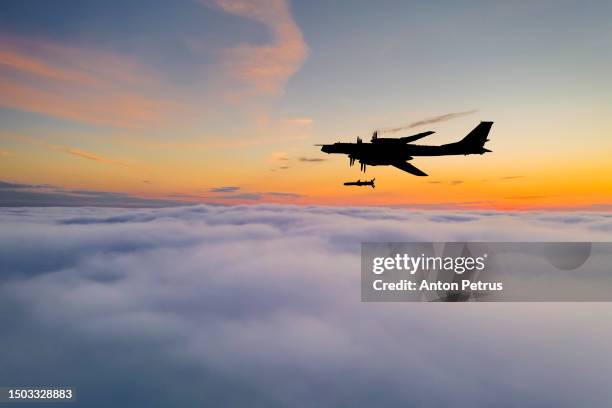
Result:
[[409, 168]]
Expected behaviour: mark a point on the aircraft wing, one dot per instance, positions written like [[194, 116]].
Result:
[[409, 168], [408, 139]]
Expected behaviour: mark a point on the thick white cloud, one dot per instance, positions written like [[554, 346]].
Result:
[[260, 306]]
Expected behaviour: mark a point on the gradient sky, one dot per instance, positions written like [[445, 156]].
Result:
[[221, 101]]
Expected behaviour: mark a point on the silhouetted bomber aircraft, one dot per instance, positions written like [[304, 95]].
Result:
[[360, 183], [397, 152]]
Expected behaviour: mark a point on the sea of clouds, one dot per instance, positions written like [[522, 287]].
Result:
[[260, 306]]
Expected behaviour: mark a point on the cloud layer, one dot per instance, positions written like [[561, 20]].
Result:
[[259, 306], [45, 195]]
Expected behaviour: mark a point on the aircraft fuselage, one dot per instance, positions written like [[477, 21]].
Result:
[[397, 152]]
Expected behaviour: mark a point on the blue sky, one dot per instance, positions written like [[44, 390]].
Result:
[[180, 90], [379, 57]]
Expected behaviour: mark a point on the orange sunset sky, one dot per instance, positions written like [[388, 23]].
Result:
[[223, 101]]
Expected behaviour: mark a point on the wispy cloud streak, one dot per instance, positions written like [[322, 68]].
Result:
[[87, 155], [91, 86], [63, 149], [435, 119]]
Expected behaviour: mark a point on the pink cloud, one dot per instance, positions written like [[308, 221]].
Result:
[[86, 155], [251, 70], [102, 87], [85, 85]]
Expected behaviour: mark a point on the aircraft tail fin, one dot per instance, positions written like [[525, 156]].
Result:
[[475, 140]]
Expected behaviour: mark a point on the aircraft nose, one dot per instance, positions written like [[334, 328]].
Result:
[[325, 149]]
